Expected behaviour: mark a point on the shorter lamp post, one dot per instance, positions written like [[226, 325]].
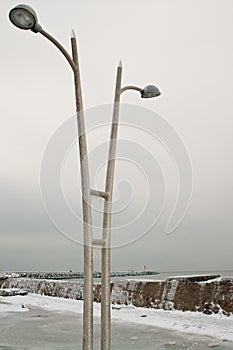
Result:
[[149, 91], [24, 17]]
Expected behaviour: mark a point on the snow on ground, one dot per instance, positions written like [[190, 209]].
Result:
[[8, 306], [218, 326], [189, 322]]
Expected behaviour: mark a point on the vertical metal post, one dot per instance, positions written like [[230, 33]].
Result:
[[86, 203], [105, 281]]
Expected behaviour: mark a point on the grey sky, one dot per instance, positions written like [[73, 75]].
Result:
[[185, 47]]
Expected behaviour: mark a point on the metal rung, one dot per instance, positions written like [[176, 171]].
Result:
[[99, 242], [99, 193]]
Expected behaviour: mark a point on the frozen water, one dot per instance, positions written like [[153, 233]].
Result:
[[56, 323]]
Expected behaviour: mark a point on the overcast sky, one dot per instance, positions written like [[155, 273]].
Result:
[[185, 47]]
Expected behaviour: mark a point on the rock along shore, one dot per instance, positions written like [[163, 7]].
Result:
[[212, 296]]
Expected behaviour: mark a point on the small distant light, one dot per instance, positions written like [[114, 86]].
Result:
[[150, 91]]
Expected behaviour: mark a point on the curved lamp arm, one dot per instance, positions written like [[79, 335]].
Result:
[[130, 87], [24, 17], [60, 48], [148, 91]]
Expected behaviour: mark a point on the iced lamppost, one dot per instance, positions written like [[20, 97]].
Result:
[[24, 17], [148, 92]]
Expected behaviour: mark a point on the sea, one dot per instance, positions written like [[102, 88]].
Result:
[[161, 276]]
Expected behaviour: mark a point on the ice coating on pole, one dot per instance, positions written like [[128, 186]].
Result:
[[73, 34]]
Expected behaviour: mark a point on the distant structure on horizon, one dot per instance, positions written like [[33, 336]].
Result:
[[77, 275]]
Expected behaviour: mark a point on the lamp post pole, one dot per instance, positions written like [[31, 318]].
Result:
[[86, 204], [105, 276], [147, 92], [86, 194], [24, 17]]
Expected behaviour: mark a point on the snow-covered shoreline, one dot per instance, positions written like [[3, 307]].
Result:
[[213, 296], [217, 326]]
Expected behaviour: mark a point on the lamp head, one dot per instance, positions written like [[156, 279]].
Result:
[[24, 17], [150, 91]]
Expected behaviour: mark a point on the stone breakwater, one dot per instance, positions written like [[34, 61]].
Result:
[[214, 296], [54, 288]]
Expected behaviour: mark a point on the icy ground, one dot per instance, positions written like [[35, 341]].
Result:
[[36, 322]]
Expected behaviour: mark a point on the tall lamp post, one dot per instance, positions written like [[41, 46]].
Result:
[[24, 17]]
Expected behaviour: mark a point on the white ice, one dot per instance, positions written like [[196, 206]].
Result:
[[218, 326]]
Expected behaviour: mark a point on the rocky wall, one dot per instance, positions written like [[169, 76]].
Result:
[[70, 290], [215, 296]]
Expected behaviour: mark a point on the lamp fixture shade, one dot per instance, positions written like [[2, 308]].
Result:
[[24, 17], [150, 91]]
